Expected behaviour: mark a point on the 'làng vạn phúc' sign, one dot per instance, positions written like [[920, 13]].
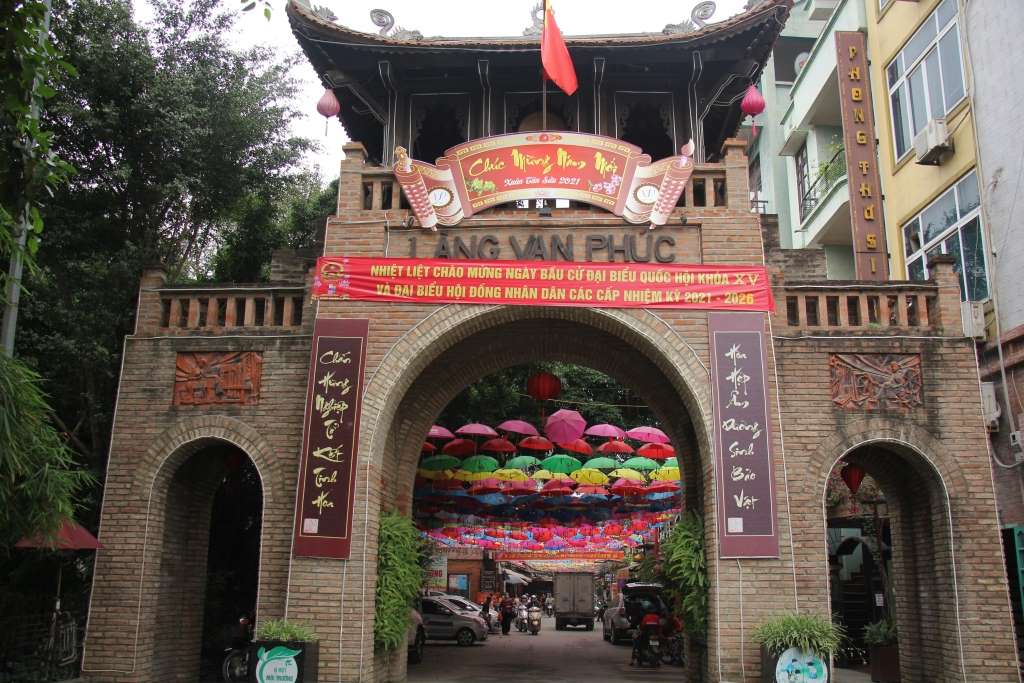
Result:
[[743, 457], [592, 169], [323, 515]]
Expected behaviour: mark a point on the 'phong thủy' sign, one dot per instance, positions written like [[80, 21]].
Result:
[[592, 169], [323, 509], [743, 457], [524, 283]]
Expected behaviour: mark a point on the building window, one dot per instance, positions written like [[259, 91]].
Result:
[[926, 78], [803, 181], [950, 225]]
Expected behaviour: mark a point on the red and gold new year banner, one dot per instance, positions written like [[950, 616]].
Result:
[[531, 283], [323, 509], [592, 169]]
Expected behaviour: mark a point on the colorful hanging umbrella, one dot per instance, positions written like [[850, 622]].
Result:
[[555, 487], [521, 462], [522, 487], [434, 474], [70, 536], [542, 475], [564, 425], [439, 432], [480, 463], [447, 485], [592, 490], [498, 446], [578, 446], [601, 463], [624, 473], [561, 463], [656, 451], [428, 448], [662, 487], [666, 474], [671, 462], [648, 435], [439, 462], [536, 443], [518, 427], [615, 447], [476, 429], [459, 447], [642, 464], [606, 430], [589, 476], [507, 474], [627, 487], [484, 487], [465, 475]]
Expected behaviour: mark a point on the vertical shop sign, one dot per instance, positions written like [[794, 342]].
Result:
[[323, 509], [743, 458], [871, 257]]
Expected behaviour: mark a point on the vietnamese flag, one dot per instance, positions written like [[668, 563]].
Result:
[[554, 55]]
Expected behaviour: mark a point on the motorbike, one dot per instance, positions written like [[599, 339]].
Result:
[[671, 644], [646, 643], [533, 620], [549, 608], [521, 619], [235, 666]]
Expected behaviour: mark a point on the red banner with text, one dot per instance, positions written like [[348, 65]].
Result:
[[524, 283], [538, 555]]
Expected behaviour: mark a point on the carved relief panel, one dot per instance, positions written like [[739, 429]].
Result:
[[876, 381], [217, 378]]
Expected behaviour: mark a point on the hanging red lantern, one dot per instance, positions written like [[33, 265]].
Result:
[[853, 475], [752, 105], [543, 386]]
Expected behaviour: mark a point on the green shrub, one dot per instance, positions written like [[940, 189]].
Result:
[[400, 577], [288, 631], [684, 567], [808, 632], [880, 633]]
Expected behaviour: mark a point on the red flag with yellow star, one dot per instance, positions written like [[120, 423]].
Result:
[[554, 55]]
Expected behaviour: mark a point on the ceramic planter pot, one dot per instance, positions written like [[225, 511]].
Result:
[[885, 663], [792, 665], [278, 661]]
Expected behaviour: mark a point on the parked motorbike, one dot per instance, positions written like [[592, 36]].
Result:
[[236, 658], [671, 644], [646, 643], [521, 619], [533, 620]]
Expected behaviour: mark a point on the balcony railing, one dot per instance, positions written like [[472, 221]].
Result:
[[226, 308], [829, 173], [862, 306]]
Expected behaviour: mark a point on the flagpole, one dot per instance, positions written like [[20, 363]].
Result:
[[543, 101]]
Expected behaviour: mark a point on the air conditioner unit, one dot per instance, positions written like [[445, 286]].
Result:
[[973, 314], [990, 406], [932, 143]]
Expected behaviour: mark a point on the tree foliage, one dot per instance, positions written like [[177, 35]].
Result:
[[400, 577]]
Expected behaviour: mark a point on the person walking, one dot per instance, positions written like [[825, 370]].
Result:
[[487, 611], [508, 612]]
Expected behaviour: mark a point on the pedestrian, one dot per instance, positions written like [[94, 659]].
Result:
[[487, 611], [508, 612]]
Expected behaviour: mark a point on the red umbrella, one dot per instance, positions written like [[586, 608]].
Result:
[[427, 447], [485, 486], [627, 487], [662, 487], [656, 451], [536, 443], [498, 446], [648, 435], [520, 487], [610, 447], [565, 425], [459, 448], [518, 427], [439, 432], [605, 429], [578, 446], [447, 484], [476, 429], [592, 490], [555, 487], [70, 537]]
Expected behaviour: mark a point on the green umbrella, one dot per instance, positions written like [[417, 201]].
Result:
[[642, 464], [439, 462], [601, 463], [480, 463], [560, 462], [521, 462], [671, 462]]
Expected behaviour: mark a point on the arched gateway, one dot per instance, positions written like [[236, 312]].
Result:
[[877, 374]]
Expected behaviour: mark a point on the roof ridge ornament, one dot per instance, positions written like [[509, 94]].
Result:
[[385, 20], [699, 17], [537, 15]]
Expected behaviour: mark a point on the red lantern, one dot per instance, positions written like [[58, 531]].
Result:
[[543, 386], [853, 475], [752, 105]]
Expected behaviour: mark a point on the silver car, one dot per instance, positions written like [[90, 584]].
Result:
[[443, 620]]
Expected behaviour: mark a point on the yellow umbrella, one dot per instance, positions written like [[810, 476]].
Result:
[[542, 475], [434, 474], [626, 473], [463, 475], [509, 475], [666, 474], [588, 475]]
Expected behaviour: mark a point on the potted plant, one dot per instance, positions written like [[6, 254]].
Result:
[[883, 651], [797, 647], [284, 651]]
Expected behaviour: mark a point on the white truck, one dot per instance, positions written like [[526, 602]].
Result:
[[574, 600]]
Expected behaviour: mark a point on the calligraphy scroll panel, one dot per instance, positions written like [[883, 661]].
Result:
[[323, 509], [876, 381], [217, 378]]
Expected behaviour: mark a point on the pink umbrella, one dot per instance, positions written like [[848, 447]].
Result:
[[518, 427], [536, 443], [476, 429], [605, 429], [565, 425], [648, 435], [615, 447], [498, 446], [656, 451], [485, 486], [439, 432]]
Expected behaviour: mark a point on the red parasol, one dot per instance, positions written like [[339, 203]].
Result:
[[611, 447], [485, 486], [592, 490], [70, 537], [627, 487], [648, 435], [656, 451], [564, 425], [439, 432], [605, 429], [459, 448], [556, 487], [428, 447], [662, 487], [499, 445], [519, 487], [518, 427], [578, 446], [536, 443], [476, 429], [446, 484]]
